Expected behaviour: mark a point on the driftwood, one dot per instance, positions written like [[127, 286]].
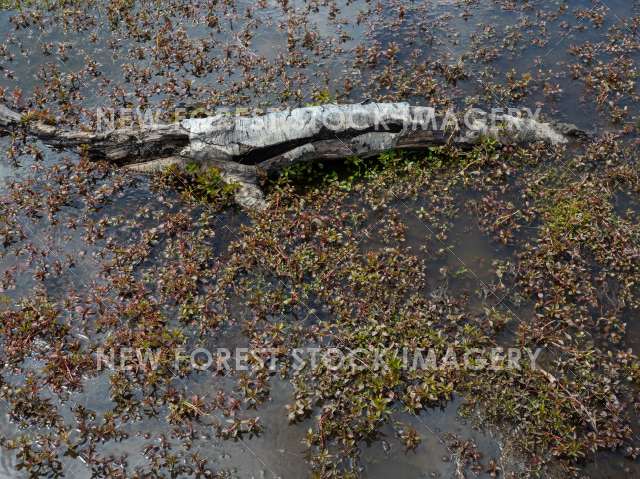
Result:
[[243, 148]]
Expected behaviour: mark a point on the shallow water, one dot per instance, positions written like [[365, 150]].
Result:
[[437, 31]]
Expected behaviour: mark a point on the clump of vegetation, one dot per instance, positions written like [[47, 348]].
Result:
[[43, 116], [567, 217], [321, 97], [352, 170], [199, 183]]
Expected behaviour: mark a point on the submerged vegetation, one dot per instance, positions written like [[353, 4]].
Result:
[[443, 249]]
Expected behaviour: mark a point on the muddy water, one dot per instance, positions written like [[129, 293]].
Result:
[[437, 31]]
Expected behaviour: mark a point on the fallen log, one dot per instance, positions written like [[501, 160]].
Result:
[[244, 147]]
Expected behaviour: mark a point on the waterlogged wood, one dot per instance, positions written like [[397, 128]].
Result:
[[8, 117], [244, 147]]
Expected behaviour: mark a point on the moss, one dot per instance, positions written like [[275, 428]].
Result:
[[567, 216]]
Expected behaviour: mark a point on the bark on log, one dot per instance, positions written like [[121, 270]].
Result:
[[241, 147]]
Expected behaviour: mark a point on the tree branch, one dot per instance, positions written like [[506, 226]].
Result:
[[242, 146]]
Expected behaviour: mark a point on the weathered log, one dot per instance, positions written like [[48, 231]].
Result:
[[241, 147]]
